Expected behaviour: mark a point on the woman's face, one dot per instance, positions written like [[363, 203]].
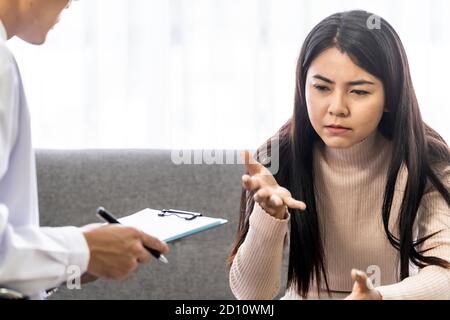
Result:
[[345, 103]]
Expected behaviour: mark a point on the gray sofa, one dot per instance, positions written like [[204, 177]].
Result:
[[72, 184]]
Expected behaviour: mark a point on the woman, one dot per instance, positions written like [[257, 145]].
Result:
[[372, 176]]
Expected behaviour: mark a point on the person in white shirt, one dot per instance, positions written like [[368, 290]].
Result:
[[33, 258]]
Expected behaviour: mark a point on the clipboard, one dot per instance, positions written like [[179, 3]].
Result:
[[169, 224]]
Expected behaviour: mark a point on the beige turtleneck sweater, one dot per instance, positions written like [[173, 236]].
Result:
[[350, 185]]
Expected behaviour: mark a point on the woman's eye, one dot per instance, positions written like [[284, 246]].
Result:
[[321, 88], [360, 92]]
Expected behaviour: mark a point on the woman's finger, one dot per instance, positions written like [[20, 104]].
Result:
[[257, 198], [250, 183], [294, 204], [262, 195], [246, 181], [362, 281], [276, 201], [253, 167]]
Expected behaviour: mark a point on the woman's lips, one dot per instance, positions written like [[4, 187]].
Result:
[[337, 129]]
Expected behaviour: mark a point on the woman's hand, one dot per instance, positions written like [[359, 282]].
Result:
[[362, 288], [273, 198]]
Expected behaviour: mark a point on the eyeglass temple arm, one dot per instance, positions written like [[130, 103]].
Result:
[[196, 214]]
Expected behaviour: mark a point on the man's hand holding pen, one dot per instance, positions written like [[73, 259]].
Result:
[[117, 250]]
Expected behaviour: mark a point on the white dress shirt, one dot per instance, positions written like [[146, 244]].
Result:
[[32, 258]]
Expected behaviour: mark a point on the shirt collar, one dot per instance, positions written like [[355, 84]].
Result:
[[3, 34]]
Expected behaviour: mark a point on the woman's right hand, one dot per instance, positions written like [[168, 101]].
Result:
[[273, 198]]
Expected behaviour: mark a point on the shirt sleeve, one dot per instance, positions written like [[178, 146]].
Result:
[[431, 282], [256, 269], [32, 259], [8, 111]]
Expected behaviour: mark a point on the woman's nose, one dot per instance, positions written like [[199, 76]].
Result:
[[338, 106]]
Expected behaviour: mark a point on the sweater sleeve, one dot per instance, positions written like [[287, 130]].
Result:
[[256, 269], [431, 282]]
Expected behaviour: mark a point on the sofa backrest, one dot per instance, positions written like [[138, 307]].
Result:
[[72, 184]]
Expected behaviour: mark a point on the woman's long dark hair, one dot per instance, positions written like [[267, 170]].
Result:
[[376, 48]]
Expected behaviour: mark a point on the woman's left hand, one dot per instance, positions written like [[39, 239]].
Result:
[[362, 287]]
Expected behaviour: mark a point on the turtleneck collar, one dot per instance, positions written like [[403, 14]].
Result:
[[359, 154]]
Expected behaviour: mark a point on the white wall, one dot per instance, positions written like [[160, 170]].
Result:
[[200, 73]]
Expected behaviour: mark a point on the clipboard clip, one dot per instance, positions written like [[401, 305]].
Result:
[[186, 215]]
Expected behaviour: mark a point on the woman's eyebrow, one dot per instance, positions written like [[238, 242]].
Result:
[[350, 83], [359, 82], [318, 76]]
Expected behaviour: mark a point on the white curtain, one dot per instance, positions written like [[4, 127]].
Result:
[[200, 73]]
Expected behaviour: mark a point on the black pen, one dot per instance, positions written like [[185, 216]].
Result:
[[108, 217]]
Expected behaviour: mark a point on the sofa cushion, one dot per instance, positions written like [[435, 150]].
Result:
[[72, 184]]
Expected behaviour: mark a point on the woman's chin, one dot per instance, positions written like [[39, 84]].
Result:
[[338, 142]]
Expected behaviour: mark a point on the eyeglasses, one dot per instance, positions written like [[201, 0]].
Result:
[[186, 215]]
